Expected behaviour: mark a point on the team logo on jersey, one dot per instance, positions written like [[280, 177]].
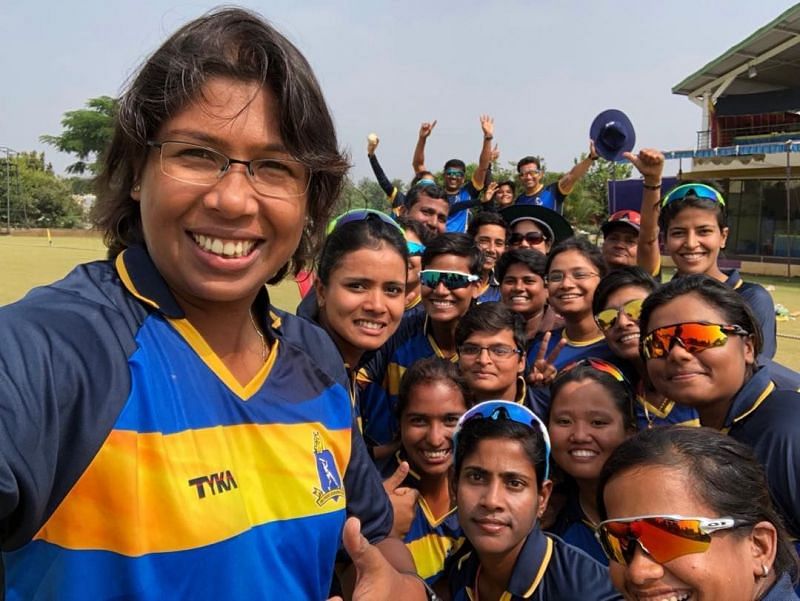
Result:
[[330, 483]]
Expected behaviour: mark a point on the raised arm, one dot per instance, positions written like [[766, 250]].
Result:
[[380, 176], [650, 163], [418, 161], [573, 176], [485, 158]]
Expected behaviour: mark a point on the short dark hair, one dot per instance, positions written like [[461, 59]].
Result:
[[690, 201], [422, 232], [725, 473], [456, 164], [475, 430], [527, 161], [421, 175], [452, 243], [621, 392], [431, 191], [238, 44], [349, 237], [486, 218], [734, 309], [491, 317], [583, 246], [508, 182], [534, 260], [432, 369], [630, 275]]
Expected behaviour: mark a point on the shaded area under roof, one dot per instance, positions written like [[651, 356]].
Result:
[[766, 61]]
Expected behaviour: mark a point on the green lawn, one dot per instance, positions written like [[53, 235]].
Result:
[[26, 262]]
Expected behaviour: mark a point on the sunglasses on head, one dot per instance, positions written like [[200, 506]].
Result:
[[506, 410], [454, 173], [415, 249], [662, 537], [607, 318], [531, 238], [452, 280], [697, 190], [598, 364], [694, 337], [361, 215]]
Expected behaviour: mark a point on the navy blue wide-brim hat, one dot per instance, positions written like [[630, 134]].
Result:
[[548, 220], [613, 134]]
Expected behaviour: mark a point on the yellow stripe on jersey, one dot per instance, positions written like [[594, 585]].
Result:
[[215, 364], [430, 551], [198, 487]]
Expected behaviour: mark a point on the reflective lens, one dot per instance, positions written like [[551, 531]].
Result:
[[598, 364], [415, 249], [362, 215], [506, 410], [695, 337], [607, 318], [277, 177], [662, 537], [454, 173], [698, 190], [532, 238], [452, 280]]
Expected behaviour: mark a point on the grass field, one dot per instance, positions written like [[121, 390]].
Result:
[[26, 262]]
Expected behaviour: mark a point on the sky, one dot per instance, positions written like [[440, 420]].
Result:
[[543, 69]]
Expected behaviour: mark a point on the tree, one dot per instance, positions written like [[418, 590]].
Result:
[[38, 198], [587, 204], [87, 134], [364, 194]]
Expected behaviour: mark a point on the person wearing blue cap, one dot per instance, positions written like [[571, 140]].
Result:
[[502, 484]]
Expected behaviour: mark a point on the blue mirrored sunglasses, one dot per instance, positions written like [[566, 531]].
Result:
[[697, 190], [361, 215], [452, 280], [415, 249], [454, 173], [499, 410]]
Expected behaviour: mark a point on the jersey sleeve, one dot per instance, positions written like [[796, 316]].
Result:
[[383, 181], [764, 310]]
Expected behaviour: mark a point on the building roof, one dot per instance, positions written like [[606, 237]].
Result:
[[766, 61]]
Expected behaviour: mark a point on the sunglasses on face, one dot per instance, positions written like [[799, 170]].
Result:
[[362, 215], [607, 318], [528, 172], [694, 337], [662, 537], [506, 410], [697, 190], [452, 280], [415, 249], [532, 238], [454, 173]]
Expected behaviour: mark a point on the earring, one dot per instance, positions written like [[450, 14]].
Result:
[[764, 571], [136, 188]]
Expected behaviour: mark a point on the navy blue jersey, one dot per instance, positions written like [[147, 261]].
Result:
[[460, 203], [763, 307], [576, 529], [550, 197], [546, 569], [133, 464], [768, 420]]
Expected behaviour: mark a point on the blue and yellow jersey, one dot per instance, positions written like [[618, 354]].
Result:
[[141, 468], [668, 413], [431, 539], [549, 196], [767, 419], [571, 352], [546, 569], [458, 219], [490, 291], [378, 398], [577, 530]]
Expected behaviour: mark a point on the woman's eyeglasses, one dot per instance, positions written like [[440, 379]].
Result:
[[496, 351], [506, 410], [556, 277], [607, 318], [532, 238], [697, 190], [362, 215], [278, 177], [695, 337], [662, 537], [452, 280]]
